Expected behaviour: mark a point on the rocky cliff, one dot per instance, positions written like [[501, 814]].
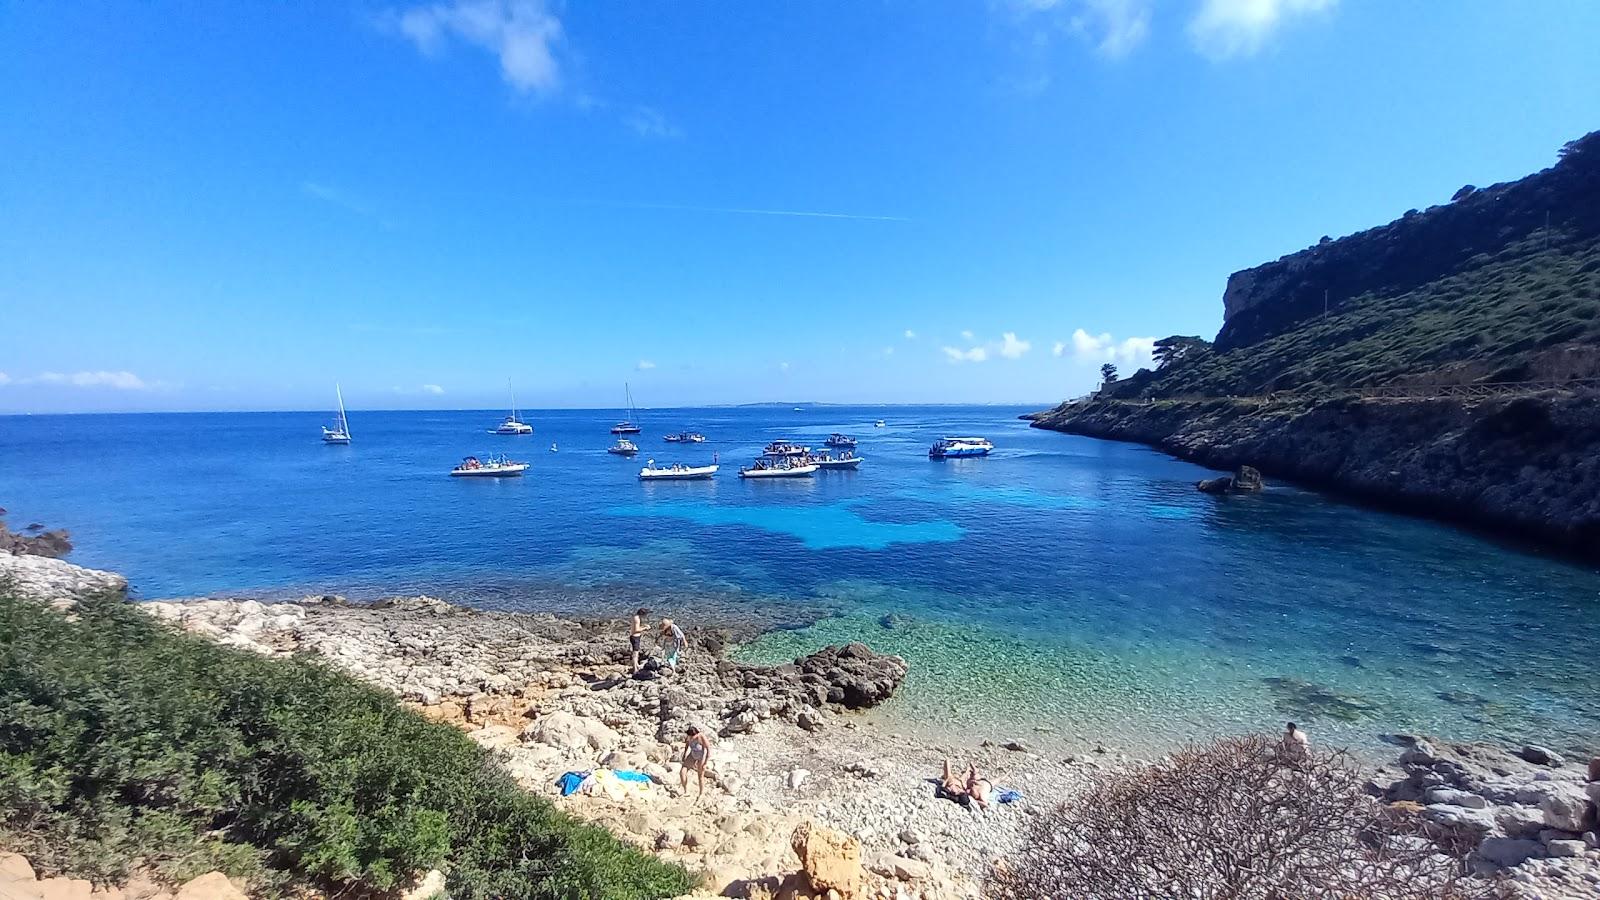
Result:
[[1559, 206], [1525, 466]]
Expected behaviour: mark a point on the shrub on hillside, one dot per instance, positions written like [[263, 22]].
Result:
[[122, 740], [1234, 818]]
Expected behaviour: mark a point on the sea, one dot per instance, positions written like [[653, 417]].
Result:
[[1063, 589]]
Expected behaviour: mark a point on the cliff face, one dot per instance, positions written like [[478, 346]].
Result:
[[1524, 466], [1560, 205]]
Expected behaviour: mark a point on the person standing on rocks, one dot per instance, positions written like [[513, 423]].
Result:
[[636, 635], [696, 753], [1296, 745], [675, 640]]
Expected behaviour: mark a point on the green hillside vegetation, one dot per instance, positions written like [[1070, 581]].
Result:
[[123, 742], [1496, 320]]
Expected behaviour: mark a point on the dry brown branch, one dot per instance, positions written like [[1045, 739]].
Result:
[[1234, 819]]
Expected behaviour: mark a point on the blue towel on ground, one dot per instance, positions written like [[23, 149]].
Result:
[[631, 775], [1009, 797], [570, 782]]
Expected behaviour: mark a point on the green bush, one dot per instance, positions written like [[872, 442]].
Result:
[[121, 740]]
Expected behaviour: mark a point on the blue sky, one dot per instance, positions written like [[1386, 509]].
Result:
[[210, 206]]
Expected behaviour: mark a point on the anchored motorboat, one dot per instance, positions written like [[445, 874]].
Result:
[[840, 440], [845, 460], [340, 432], [675, 472], [623, 447], [488, 467], [959, 448], [785, 447], [512, 424], [878, 424], [630, 425], [778, 468]]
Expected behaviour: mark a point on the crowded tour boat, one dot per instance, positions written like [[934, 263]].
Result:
[[685, 437], [488, 467], [840, 440], [778, 467], [675, 472]]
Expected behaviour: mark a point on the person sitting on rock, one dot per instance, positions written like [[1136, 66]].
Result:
[[1295, 744], [636, 635], [696, 753], [675, 640]]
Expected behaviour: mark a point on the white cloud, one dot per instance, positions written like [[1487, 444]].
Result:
[[4, 378], [122, 381], [966, 335], [522, 33], [1100, 348], [1011, 348], [783, 367], [647, 122], [1223, 29], [957, 355], [1113, 27], [645, 365], [1058, 349], [910, 335], [433, 389]]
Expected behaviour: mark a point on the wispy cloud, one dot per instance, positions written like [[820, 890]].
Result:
[[747, 211], [648, 122], [645, 365], [887, 351], [1102, 348], [119, 380], [1223, 29], [972, 354], [4, 379], [783, 367], [1114, 28], [966, 334], [910, 335], [522, 34], [343, 200], [1058, 349], [433, 389], [1008, 347]]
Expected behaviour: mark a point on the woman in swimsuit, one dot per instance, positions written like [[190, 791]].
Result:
[[636, 635], [696, 753]]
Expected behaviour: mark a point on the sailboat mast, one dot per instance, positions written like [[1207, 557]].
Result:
[[344, 421], [513, 394]]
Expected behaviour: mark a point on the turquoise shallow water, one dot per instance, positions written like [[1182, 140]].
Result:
[[1067, 584]]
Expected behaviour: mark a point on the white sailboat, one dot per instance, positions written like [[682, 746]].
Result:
[[630, 425], [341, 433], [512, 424]]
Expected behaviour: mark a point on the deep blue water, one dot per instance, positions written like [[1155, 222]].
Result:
[[1063, 582]]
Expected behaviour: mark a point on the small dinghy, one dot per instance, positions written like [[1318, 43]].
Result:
[[489, 467], [675, 472]]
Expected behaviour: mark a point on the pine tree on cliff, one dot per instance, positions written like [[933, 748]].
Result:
[[1108, 373]]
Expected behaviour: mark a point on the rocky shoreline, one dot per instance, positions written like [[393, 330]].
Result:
[[1522, 467], [800, 766]]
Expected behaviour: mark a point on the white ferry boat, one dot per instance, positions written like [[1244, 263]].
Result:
[[489, 467], [959, 448]]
